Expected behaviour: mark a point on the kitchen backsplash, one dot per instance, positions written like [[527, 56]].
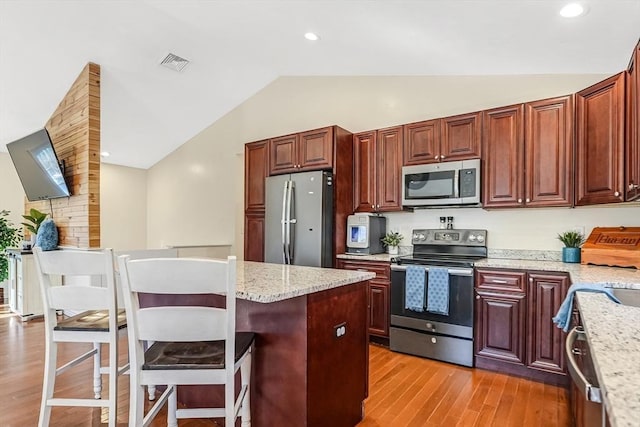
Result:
[[533, 232]]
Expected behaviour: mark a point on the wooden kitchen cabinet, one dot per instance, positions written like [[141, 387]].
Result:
[[310, 150], [545, 346], [503, 156], [24, 288], [632, 153], [600, 111], [256, 156], [254, 236], [378, 170], [529, 154], [378, 293], [514, 332], [446, 139]]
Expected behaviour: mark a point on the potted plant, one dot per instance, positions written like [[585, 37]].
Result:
[[391, 240], [9, 237], [35, 218], [572, 241]]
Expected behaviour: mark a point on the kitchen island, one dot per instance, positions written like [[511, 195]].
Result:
[[310, 363]]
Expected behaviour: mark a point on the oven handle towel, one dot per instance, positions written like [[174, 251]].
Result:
[[414, 293], [562, 319], [438, 291]]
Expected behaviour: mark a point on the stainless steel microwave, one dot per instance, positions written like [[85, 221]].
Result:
[[441, 184]]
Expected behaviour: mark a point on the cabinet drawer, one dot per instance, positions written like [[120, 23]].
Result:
[[501, 280], [380, 268]]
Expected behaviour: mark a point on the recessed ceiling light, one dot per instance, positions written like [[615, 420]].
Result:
[[311, 36], [572, 10], [105, 154]]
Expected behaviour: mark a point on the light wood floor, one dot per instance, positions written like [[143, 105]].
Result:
[[403, 390]]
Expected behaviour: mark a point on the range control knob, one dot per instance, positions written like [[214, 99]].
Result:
[[472, 237], [480, 238]]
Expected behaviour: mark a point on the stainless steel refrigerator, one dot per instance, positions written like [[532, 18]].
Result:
[[299, 219]]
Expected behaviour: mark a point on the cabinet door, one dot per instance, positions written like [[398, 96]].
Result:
[[633, 128], [461, 137], [503, 156], [379, 308], [254, 237], [545, 342], [364, 171], [600, 142], [389, 169], [315, 149], [500, 326], [255, 172], [422, 142], [549, 152], [283, 155]]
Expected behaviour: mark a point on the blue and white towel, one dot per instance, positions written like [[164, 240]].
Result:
[[563, 318], [414, 288], [438, 291]]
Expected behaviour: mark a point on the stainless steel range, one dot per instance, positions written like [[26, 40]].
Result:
[[436, 321]]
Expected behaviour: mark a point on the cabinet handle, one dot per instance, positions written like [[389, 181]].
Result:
[[617, 193], [477, 296], [442, 157], [527, 200], [373, 206], [377, 206], [531, 279], [437, 157], [499, 281], [520, 201]]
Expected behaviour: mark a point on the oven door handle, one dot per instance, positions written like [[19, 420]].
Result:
[[591, 392], [452, 271]]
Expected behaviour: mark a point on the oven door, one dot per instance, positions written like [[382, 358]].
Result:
[[459, 321]]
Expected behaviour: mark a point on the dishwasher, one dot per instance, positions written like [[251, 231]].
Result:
[[586, 397]]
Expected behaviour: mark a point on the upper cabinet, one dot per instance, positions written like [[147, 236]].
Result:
[[600, 111], [311, 150], [378, 170], [528, 154], [255, 171], [503, 156], [439, 140], [633, 127], [549, 152]]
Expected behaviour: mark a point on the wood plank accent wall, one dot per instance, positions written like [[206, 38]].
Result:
[[75, 132]]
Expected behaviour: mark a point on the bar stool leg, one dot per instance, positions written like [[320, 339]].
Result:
[[172, 421], [48, 383], [245, 379], [97, 379]]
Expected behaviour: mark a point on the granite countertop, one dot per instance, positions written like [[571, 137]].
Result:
[[613, 334], [265, 283], [366, 257]]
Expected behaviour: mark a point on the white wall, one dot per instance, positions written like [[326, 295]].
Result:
[[123, 207], [11, 193], [524, 228], [196, 193]]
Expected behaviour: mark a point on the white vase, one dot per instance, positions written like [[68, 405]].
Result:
[[393, 250]]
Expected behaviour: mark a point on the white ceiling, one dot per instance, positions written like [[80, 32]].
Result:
[[238, 46]]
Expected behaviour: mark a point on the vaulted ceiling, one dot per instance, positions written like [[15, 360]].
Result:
[[237, 47]]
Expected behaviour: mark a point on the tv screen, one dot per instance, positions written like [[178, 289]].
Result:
[[37, 166]]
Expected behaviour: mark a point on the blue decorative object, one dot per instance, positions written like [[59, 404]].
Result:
[[571, 255], [414, 288], [438, 291], [47, 237]]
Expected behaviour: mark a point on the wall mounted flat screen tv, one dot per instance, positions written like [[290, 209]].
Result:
[[38, 168]]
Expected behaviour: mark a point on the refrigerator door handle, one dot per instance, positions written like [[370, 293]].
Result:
[[292, 221], [284, 222], [287, 234]]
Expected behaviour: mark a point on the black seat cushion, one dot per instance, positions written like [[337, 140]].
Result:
[[194, 355], [93, 320]]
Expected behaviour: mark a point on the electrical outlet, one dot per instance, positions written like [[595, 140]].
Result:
[[340, 330]]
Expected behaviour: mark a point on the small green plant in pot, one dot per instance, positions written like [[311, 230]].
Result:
[[9, 237], [391, 240], [572, 241], [35, 218]]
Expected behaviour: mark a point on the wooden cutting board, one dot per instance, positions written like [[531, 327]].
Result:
[[613, 246]]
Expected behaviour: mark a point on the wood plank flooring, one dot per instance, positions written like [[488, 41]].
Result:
[[403, 390]]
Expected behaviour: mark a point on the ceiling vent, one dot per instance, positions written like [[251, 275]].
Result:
[[174, 62]]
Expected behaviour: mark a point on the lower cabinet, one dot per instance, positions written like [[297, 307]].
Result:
[[254, 236], [24, 288], [378, 303], [514, 330]]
